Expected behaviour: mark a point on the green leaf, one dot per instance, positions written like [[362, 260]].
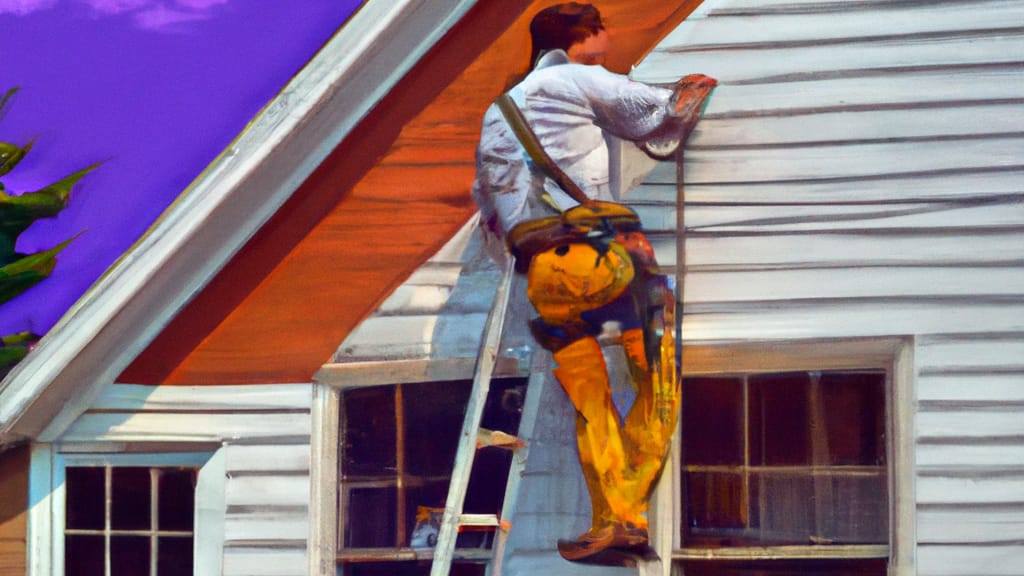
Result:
[[20, 338], [11, 355], [7, 253], [12, 285], [13, 348], [17, 213], [7, 97], [11, 154], [62, 188], [26, 272]]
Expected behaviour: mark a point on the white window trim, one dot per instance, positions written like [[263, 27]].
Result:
[[894, 355], [323, 508], [47, 494]]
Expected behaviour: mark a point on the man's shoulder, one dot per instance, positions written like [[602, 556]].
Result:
[[571, 74], [493, 116]]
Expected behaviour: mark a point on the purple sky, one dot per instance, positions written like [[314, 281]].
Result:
[[154, 89]]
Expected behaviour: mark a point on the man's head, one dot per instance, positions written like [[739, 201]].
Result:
[[573, 27]]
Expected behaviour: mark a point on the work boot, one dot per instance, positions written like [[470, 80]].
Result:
[[618, 537]]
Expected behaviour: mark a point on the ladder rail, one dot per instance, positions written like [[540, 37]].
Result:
[[485, 362], [539, 367]]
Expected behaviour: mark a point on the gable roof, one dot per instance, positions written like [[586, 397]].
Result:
[[265, 263]]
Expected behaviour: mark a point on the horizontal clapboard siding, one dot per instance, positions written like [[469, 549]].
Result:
[[438, 313], [970, 456], [252, 561], [264, 432], [859, 173], [943, 185], [267, 495], [853, 161]]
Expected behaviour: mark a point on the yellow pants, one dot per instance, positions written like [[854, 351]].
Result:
[[621, 457]]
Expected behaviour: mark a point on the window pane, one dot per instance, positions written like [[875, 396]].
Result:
[[486, 490], [504, 405], [83, 555], [176, 499], [433, 420], [713, 421], [782, 508], [174, 557], [368, 421], [431, 495], [85, 498], [859, 510], [370, 518], [779, 419], [388, 569], [502, 412], [823, 508], [872, 567], [130, 503], [407, 569], [129, 555], [715, 504], [854, 404]]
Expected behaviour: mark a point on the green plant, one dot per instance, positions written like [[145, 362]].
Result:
[[19, 272]]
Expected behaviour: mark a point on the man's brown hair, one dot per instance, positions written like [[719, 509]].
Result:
[[560, 26]]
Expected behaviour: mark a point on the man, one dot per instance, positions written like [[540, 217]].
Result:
[[585, 259]]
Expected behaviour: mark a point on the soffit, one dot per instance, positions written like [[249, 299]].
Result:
[[381, 204]]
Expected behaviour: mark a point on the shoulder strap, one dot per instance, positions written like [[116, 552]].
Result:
[[540, 157]]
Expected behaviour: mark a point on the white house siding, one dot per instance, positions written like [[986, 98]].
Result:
[[438, 315], [860, 172], [416, 321], [264, 432]]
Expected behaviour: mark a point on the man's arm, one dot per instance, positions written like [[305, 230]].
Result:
[[657, 118]]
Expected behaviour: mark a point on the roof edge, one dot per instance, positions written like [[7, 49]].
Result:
[[218, 213]]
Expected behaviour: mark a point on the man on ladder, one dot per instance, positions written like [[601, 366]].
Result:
[[543, 190]]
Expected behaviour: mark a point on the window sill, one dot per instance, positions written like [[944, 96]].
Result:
[[808, 552], [354, 555]]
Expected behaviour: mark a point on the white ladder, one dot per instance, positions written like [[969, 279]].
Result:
[[486, 358]]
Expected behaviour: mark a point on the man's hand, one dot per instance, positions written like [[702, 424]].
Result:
[[690, 93], [686, 104]]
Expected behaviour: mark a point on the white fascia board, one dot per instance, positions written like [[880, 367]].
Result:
[[218, 213]]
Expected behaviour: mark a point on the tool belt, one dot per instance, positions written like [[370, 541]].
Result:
[[587, 223]]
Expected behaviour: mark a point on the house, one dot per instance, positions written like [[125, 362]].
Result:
[[845, 226]]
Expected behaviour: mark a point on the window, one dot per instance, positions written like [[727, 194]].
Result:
[[787, 465], [129, 520], [126, 513], [397, 450]]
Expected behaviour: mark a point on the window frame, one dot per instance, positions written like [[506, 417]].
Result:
[[48, 505], [331, 382], [894, 356]]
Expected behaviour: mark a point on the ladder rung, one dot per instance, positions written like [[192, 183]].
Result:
[[479, 520], [498, 439]]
